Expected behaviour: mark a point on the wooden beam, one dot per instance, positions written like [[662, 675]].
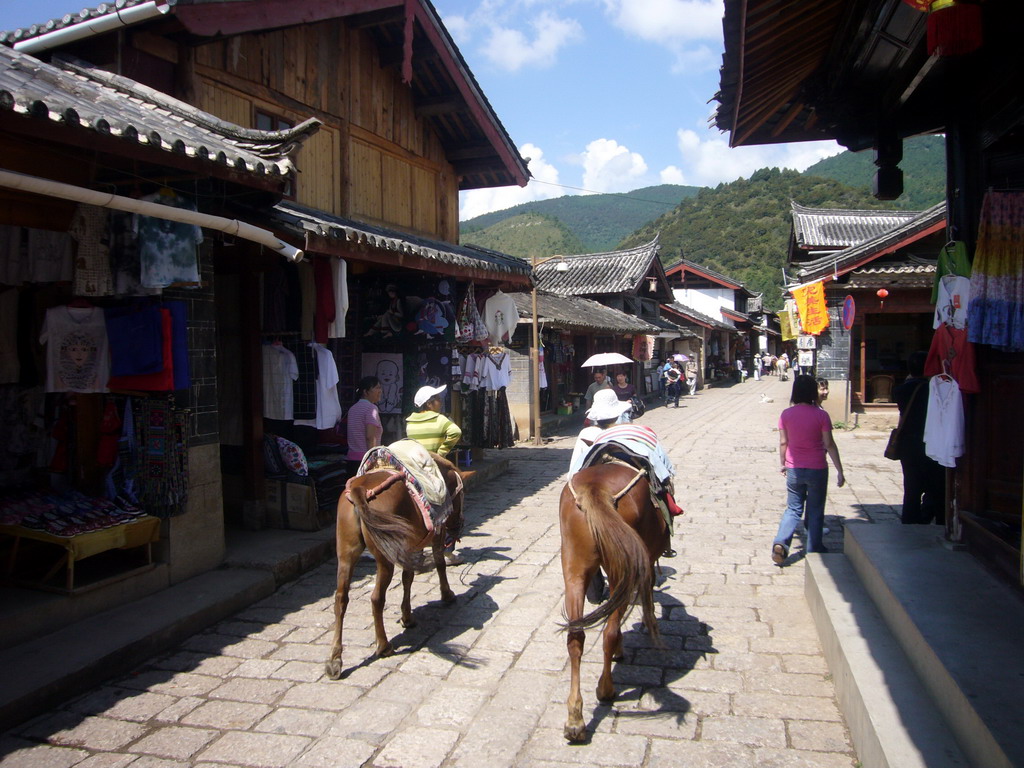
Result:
[[234, 18], [440, 105]]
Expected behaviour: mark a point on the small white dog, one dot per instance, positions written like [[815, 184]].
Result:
[[766, 399]]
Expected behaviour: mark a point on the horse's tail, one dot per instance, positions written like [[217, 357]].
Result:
[[625, 559], [391, 533]]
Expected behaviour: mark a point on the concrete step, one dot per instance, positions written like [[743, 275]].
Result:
[[892, 719], [958, 627]]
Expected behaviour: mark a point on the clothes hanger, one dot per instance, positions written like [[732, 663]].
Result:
[[946, 371]]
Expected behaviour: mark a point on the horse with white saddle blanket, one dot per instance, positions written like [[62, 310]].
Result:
[[401, 500]]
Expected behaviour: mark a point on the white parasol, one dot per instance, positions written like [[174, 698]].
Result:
[[605, 358], [679, 357]]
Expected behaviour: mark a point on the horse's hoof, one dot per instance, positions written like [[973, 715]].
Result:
[[606, 696], [447, 598], [333, 669], [384, 652], [407, 623], [575, 733]]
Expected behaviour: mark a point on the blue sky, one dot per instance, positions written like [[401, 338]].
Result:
[[600, 95]]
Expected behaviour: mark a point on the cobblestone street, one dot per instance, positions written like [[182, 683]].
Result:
[[739, 681]]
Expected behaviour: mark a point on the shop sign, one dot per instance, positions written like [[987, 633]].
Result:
[[806, 342]]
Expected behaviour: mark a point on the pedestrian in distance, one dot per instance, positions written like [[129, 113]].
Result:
[[924, 479], [624, 391], [600, 382], [673, 378], [691, 376], [755, 364], [805, 438]]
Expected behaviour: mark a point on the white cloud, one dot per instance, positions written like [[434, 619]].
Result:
[[672, 175], [709, 160], [476, 202], [610, 167], [679, 26], [511, 50], [460, 27]]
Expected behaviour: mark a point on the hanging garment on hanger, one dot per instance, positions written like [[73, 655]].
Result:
[[950, 345], [280, 370], [500, 317], [953, 296], [92, 257], [167, 249], [328, 407], [952, 260], [995, 315], [944, 424], [77, 355]]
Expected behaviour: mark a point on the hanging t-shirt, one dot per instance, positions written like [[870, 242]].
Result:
[[497, 372], [92, 259], [953, 296], [50, 255], [10, 365], [167, 249], [77, 357], [944, 424], [279, 371], [328, 407], [500, 317], [951, 345], [339, 276]]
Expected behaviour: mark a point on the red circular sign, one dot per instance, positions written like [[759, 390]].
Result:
[[849, 312]]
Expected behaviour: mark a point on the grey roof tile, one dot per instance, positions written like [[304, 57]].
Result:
[[821, 228], [594, 274], [301, 220], [578, 312], [72, 93]]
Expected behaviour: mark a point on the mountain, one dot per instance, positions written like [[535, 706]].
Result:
[[742, 229], [597, 221], [527, 235], [923, 166]]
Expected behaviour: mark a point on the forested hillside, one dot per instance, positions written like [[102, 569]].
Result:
[[742, 228], [597, 221], [526, 236], [923, 166]]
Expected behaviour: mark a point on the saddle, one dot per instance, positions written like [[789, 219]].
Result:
[[616, 453]]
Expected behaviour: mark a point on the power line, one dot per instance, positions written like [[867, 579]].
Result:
[[595, 192]]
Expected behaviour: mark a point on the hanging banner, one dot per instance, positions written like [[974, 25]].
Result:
[[786, 326], [810, 303]]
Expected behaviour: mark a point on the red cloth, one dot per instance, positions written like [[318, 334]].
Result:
[[110, 433], [162, 381], [951, 344], [325, 309]]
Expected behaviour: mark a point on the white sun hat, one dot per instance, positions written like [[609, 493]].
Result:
[[423, 394], [607, 406]]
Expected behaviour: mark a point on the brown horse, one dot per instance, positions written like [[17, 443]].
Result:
[[608, 521], [376, 512]]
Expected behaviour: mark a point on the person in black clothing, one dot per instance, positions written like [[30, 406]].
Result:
[[924, 479]]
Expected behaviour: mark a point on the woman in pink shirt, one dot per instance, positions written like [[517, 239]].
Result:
[[805, 436], [364, 427]]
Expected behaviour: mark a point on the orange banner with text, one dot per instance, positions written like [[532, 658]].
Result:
[[810, 303]]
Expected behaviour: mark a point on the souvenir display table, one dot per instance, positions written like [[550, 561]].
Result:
[[141, 532]]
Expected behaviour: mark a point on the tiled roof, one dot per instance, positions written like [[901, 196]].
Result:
[[71, 93], [886, 242], [301, 220], [68, 19], [693, 266], [596, 274], [915, 274], [699, 317], [821, 228], [577, 312]]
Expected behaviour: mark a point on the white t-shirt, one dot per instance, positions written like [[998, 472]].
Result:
[[328, 407], [951, 304], [77, 356], [944, 424], [500, 317], [497, 371], [280, 370]]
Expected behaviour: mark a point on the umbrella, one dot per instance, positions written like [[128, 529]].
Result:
[[605, 358], [679, 357]]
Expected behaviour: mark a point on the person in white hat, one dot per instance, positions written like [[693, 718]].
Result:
[[641, 440], [428, 426]]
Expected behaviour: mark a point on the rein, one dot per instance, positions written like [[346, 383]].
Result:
[[618, 496]]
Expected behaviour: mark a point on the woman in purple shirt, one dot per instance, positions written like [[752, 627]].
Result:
[[364, 427], [805, 437]]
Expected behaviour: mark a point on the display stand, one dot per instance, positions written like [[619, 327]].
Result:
[[142, 532]]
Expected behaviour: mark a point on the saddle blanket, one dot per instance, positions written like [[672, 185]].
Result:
[[423, 480]]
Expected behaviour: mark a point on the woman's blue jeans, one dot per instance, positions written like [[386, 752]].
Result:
[[806, 490]]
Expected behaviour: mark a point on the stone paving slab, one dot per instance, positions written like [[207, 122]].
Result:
[[740, 679]]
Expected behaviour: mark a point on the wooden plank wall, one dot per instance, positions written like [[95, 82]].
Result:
[[374, 160]]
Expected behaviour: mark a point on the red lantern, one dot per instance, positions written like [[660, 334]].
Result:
[[882, 293], [954, 27]]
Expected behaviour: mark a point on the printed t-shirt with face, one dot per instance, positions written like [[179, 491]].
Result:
[[77, 357]]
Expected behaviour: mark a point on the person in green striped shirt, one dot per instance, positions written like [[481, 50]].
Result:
[[428, 426]]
